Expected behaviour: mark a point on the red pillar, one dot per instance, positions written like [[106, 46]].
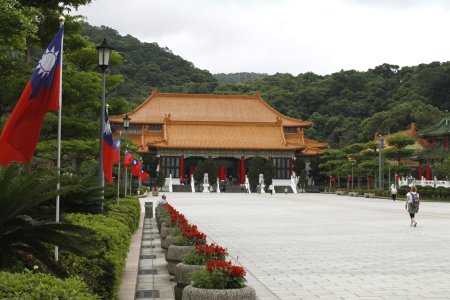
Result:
[[427, 172], [420, 172], [242, 170], [182, 169]]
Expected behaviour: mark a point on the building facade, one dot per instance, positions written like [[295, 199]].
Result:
[[181, 129]]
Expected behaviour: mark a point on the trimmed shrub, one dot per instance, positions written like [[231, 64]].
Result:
[[29, 285], [103, 273]]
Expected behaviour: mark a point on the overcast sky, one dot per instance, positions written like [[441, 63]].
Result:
[[293, 36]]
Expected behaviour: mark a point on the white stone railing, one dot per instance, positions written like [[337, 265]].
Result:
[[423, 182]]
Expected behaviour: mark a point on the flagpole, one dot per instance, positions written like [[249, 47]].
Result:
[[131, 179], [118, 176], [58, 156]]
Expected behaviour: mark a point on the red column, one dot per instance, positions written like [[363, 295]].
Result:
[[182, 169], [446, 143], [427, 172], [242, 170], [222, 173], [420, 171]]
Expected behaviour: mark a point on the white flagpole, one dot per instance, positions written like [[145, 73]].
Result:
[[58, 157], [131, 179], [118, 175]]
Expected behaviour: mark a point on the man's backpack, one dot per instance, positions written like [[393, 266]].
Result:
[[414, 200]]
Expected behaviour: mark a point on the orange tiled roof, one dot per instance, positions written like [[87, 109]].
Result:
[[199, 107], [420, 143], [224, 136]]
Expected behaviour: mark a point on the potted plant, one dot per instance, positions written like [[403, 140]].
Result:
[[183, 243], [219, 280], [193, 261]]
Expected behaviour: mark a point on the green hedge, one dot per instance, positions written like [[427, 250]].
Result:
[[428, 192], [103, 273], [38, 286]]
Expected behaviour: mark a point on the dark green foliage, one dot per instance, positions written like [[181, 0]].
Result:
[[112, 238], [30, 285], [210, 280], [259, 165], [26, 239], [234, 78], [147, 65], [206, 166]]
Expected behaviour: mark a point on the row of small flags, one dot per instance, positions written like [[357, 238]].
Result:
[[111, 155]]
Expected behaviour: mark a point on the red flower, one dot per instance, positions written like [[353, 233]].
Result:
[[225, 267]]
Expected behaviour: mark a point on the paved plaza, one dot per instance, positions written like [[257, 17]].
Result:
[[320, 246]]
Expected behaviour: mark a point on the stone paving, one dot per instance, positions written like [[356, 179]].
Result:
[[323, 246]]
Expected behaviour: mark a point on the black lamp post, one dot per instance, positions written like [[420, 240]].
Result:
[[126, 124], [104, 52]]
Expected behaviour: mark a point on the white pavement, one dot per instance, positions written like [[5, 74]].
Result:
[[322, 246]]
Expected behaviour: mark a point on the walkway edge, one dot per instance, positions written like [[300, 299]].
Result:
[[129, 280]]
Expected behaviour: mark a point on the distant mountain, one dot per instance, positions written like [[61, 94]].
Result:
[[148, 65], [234, 78]]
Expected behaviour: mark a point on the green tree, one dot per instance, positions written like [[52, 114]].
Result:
[[259, 165], [27, 239]]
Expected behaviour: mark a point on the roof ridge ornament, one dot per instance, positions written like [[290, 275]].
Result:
[[155, 92]]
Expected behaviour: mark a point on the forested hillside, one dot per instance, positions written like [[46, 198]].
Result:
[[350, 106], [346, 106], [146, 65], [233, 78]]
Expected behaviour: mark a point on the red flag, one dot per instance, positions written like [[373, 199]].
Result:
[[116, 158], [108, 149], [349, 178], [397, 177], [332, 179], [144, 175], [42, 94], [136, 167], [128, 159], [369, 181]]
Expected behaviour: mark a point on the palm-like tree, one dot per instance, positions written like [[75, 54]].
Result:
[[28, 239]]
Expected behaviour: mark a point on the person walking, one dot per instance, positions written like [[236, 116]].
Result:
[[393, 192], [412, 205]]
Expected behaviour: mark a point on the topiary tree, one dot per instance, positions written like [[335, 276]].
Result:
[[259, 165], [207, 166]]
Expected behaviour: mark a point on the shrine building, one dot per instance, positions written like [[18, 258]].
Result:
[[431, 145], [182, 129]]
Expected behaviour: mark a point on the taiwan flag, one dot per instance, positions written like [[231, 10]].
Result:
[[136, 167], [144, 175], [332, 179], [369, 180], [108, 149], [128, 159], [42, 94], [116, 159]]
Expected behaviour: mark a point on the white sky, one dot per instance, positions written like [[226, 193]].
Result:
[[292, 36]]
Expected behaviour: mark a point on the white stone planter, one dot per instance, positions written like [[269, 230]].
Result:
[[245, 293], [183, 274], [175, 256]]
